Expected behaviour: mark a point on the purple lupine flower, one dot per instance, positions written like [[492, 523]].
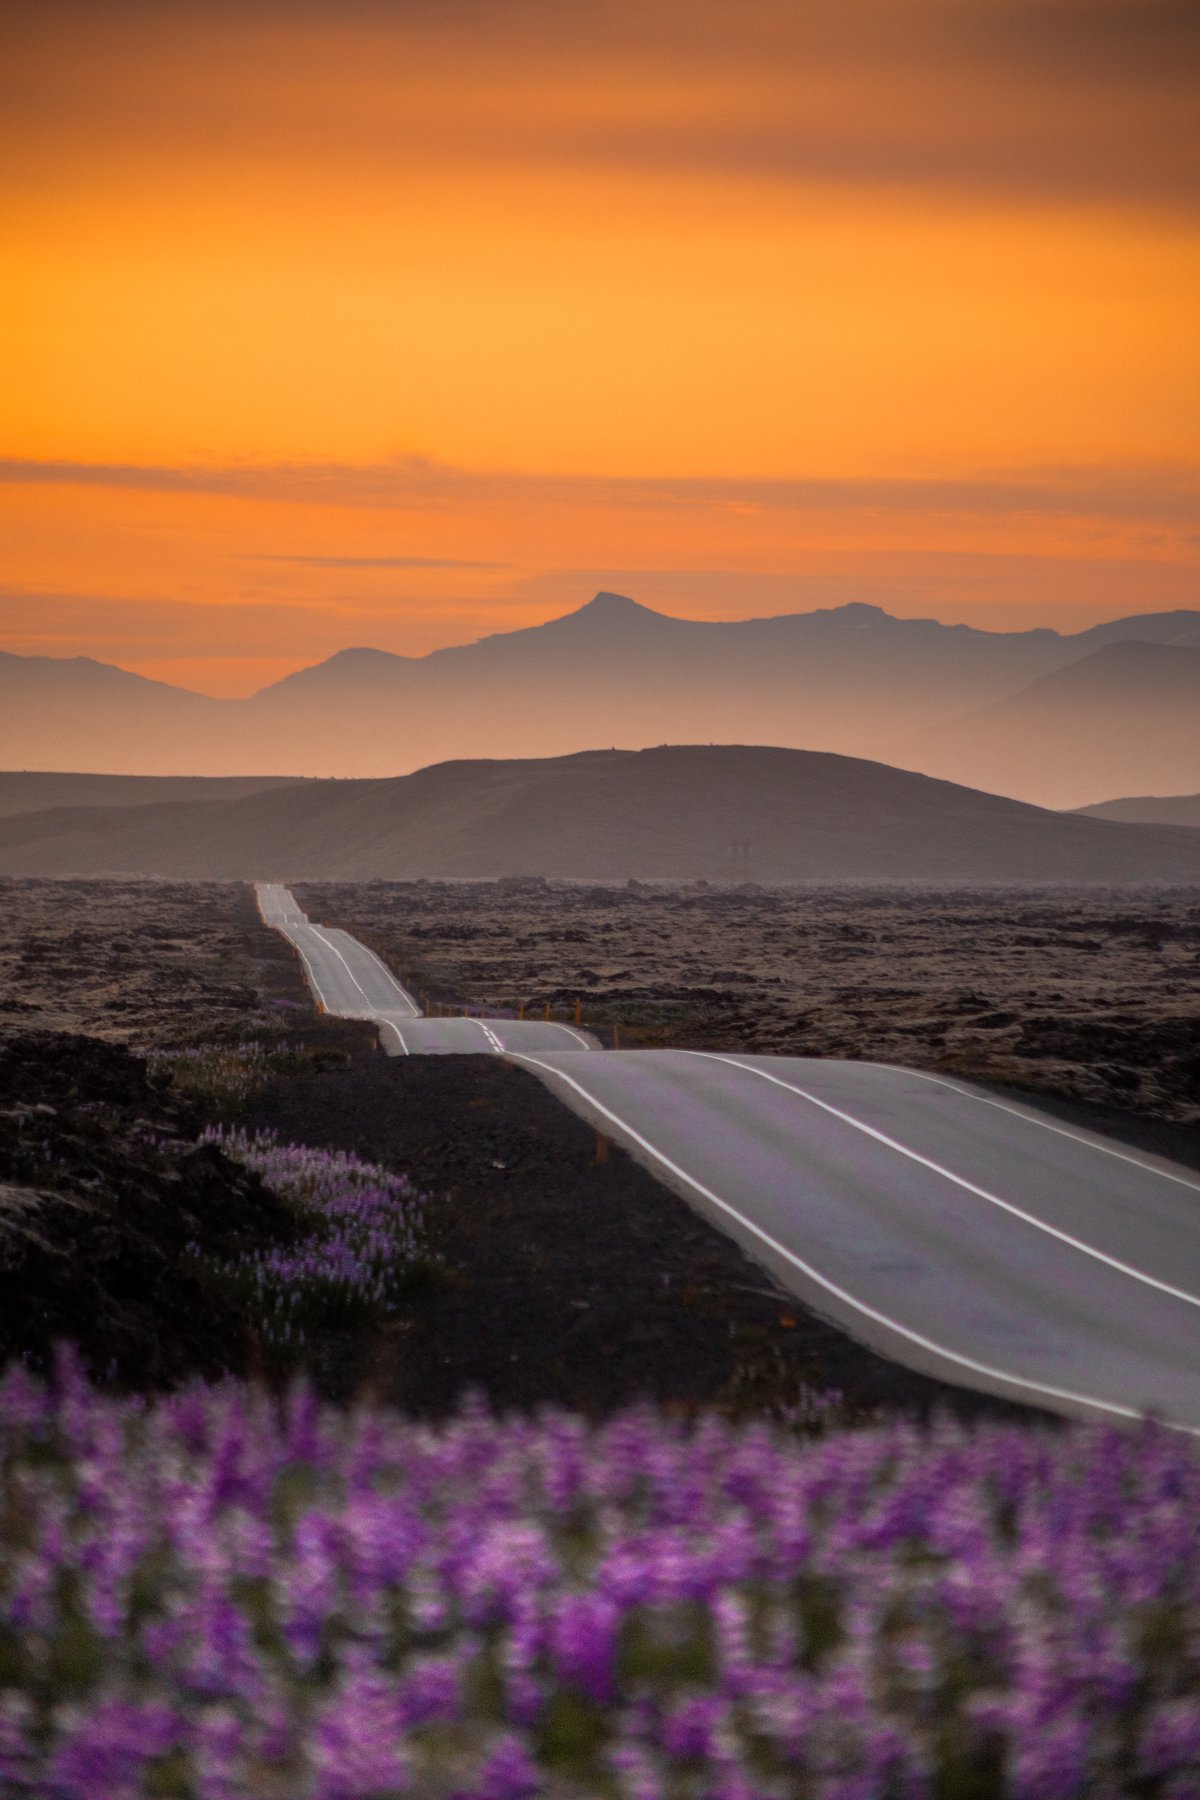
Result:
[[583, 1644], [358, 1740], [219, 1590], [508, 1773]]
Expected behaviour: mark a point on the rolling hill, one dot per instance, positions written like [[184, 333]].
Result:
[[677, 812], [32, 790], [1150, 809]]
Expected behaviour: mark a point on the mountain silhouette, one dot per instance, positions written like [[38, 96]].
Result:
[[1149, 809], [1125, 717], [849, 679]]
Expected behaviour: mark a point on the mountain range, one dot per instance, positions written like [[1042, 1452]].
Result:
[[725, 812], [1062, 720]]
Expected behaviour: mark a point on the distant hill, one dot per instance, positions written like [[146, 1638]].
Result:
[[677, 812], [34, 790], [849, 679], [1127, 717], [1170, 809]]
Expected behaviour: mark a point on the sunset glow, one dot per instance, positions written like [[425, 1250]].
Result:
[[399, 325]]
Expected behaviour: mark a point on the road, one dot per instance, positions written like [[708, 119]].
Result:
[[963, 1234], [349, 980]]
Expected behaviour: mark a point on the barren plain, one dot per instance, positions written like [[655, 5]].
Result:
[[146, 963]]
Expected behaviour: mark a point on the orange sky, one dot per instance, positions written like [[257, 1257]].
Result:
[[401, 321]]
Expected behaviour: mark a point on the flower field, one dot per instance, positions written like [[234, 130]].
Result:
[[220, 1595], [363, 1241]]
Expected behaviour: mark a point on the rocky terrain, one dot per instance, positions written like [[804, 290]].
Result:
[[157, 964], [106, 1204], [1091, 995]]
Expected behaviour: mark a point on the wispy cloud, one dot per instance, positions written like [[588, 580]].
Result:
[[1083, 99], [370, 562], [1168, 495]]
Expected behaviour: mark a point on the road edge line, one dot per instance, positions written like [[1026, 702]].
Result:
[[970, 1187], [1089, 1401]]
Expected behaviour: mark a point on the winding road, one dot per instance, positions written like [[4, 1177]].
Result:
[[967, 1235]]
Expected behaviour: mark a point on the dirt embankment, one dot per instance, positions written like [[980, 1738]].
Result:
[[1089, 995]]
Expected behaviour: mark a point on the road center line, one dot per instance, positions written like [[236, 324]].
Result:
[[320, 935], [831, 1287], [383, 968], [1008, 1206]]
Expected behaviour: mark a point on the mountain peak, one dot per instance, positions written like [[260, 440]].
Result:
[[605, 612], [856, 612], [612, 606]]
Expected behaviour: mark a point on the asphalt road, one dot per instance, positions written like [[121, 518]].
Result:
[[349, 980], [965, 1235]]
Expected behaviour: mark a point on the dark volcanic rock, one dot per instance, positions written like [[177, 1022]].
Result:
[[104, 1199]]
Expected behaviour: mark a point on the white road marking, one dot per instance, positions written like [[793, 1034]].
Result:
[[581, 1041], [319, 932], [831, 1287], [402, 992], [387, 1025], [1008, 1206], [490, 1035], [1058, 1130], [308, 968]]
